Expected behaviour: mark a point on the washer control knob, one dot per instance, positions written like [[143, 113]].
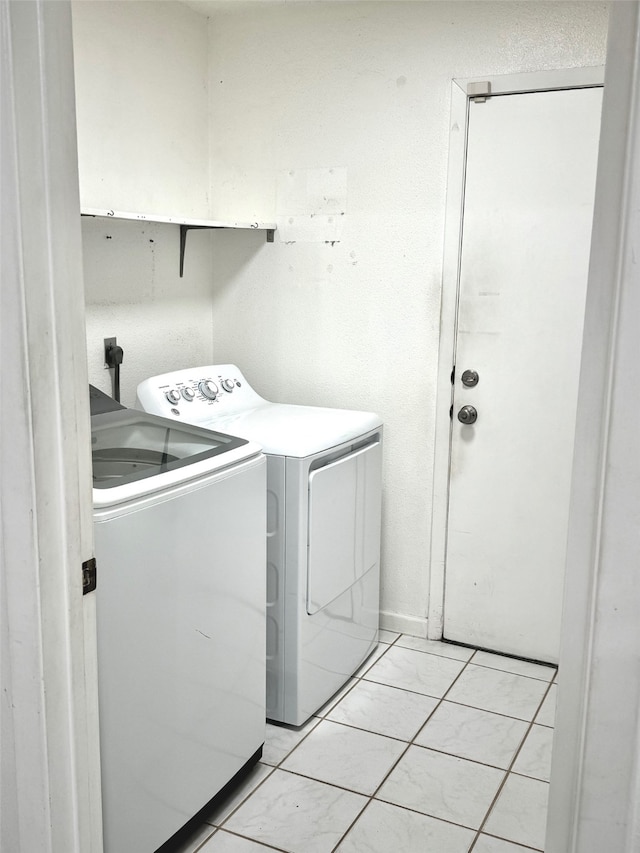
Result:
[[208, 389], [172, 396], [228, 384], [188, 393]]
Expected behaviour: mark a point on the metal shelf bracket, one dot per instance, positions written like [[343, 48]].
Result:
[[184, 229], [185, 225]]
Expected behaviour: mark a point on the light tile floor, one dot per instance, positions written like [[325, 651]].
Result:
[[430, 748]]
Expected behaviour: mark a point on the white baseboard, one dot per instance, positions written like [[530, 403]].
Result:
[[415, 626]]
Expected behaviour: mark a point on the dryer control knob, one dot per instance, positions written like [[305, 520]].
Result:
[[228, 384], [173, 396], [208, 389], [188, 393]]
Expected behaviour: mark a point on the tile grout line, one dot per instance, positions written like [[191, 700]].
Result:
[[363, 677], [371, 800], [485, 665], [264, 844], [272, 767], [284, 758], [411, 742], [244, 799], [401, 756], [507, 841], [373, 796], [487, 711], [205, 841], [441, 700], [510, 672], [509, 770]]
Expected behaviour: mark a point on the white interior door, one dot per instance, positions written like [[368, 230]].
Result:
[[529, 189]]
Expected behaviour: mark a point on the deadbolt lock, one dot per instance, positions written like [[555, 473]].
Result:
[[467, 415], [470, 378]]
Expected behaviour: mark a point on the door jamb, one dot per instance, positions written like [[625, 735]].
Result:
[[50, 760], [505, 84]]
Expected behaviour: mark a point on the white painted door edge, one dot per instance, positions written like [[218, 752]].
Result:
[[500, 85], [595, 775], [50, 770]]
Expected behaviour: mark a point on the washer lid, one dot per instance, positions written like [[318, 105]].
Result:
[[287, 430], [128, 446]]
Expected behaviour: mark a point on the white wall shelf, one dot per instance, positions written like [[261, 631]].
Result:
[[185, 224]]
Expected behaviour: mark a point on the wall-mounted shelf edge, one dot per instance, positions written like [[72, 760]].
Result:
[[185, 224]]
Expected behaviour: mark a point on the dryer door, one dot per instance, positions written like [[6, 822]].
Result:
[[344, 524]]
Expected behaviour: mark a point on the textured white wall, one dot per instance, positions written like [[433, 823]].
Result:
[[133, 291], [362, 88], [143, 139], [334, 117], [141, 93]]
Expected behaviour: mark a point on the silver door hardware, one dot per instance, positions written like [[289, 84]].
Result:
[[470, 378], [89, 575], [467, 415], [479, 91]]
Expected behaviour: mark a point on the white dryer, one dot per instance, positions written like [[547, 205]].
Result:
[[179, 520], [324, 476]]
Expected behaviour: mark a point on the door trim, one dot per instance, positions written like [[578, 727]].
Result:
[[48, 673], [543, 81], [595, 774]]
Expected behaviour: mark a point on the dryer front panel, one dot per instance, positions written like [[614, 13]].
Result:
[[343, 524]]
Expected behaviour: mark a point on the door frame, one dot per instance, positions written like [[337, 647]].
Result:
[[462, 91], [50, 761], [594, 797]]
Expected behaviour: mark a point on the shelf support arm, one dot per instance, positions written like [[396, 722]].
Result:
[[184, 229]]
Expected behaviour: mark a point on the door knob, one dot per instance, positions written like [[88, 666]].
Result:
[[467, 415], [470, 378]]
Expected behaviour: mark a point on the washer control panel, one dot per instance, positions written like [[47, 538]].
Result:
[[197, 395], [207, 388]]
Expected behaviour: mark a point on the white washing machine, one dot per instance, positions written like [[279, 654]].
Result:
[[324, 475], [179, 520]]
